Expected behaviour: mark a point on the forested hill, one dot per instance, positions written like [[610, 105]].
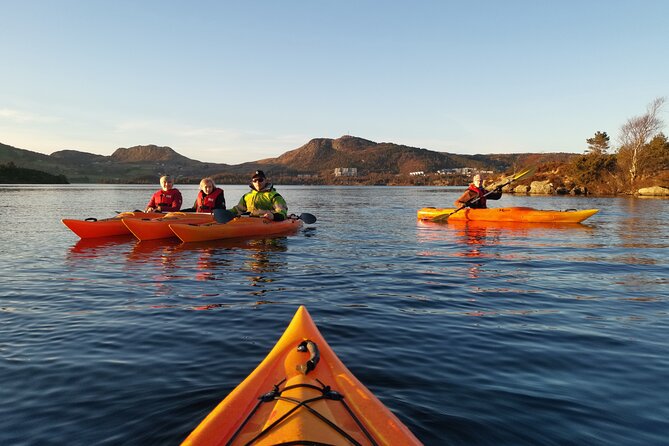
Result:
[[138, 164], [10, 174]]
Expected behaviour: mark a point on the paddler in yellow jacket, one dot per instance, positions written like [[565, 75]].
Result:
[[475, 196], [263, 200]]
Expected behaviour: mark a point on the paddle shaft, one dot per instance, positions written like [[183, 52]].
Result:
[[441, 217], [224, 216]]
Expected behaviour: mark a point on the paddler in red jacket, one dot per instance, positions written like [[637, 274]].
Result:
[[209, 198], [476, 190], [167, 199]]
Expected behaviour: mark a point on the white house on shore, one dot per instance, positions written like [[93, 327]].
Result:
[[346, 172], [469, 171]]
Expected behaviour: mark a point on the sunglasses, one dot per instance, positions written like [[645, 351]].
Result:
[[258, 180]]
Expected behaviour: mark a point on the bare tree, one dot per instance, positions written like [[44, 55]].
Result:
[[635, 136]]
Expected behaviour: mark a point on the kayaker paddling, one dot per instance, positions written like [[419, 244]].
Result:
[[477, 192], [476, 195]]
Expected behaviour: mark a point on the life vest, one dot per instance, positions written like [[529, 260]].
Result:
[[481, 202], [206, 203], [267, 199], [169, 201]]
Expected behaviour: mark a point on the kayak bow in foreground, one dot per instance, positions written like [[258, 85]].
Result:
[[516, 214], [301, 393]]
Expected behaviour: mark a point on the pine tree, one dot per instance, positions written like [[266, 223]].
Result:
[[599, 144]]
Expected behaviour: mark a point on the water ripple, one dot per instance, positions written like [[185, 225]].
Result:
[[471, 334]]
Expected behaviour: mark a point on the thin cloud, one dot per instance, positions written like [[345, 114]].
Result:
[[21, 117]]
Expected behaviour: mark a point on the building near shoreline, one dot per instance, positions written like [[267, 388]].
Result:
[[346, 172]]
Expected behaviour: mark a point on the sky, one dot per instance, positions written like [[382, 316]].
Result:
[[236, 81]]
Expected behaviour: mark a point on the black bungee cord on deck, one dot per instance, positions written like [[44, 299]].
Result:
[[326, 394]]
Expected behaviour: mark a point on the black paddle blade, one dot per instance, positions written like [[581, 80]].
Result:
[[307, 218], [223, 215]]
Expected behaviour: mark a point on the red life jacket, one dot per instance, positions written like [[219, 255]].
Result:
[[480, 203], [169, 201], [206, 203]]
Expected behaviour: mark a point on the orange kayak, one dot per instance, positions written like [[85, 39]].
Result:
[[516, 214], [301, 393], [238, 227], [93, 228], [157, 228]]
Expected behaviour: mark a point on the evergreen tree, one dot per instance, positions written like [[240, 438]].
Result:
[[657, 154], [599, 144]]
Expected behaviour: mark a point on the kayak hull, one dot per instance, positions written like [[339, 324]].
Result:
[[238, 227], [230, 423], [512, 214], [107, 227], [159, 228]]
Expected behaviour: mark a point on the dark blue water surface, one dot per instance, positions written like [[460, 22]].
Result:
[[472, 335]]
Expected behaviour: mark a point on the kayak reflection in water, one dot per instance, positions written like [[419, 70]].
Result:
[[476, 195]]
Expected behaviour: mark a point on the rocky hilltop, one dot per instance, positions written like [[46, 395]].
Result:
[[324, 154], [150, 153]]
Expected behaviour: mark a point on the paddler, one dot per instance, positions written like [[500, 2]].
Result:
[[476, 195], [167, 199], [209, 198], [263, 200]]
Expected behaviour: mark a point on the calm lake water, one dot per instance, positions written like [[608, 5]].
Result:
[[497, 335]]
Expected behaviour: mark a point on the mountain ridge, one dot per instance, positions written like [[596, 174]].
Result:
[[316, 158]]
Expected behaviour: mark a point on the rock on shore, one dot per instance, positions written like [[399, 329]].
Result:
[[541, 188], [545, 187], [655, 191]]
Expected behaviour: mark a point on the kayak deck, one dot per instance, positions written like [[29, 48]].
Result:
[[158, 228], [108, 227], [511, 214], [278, 403], [238, 227]]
